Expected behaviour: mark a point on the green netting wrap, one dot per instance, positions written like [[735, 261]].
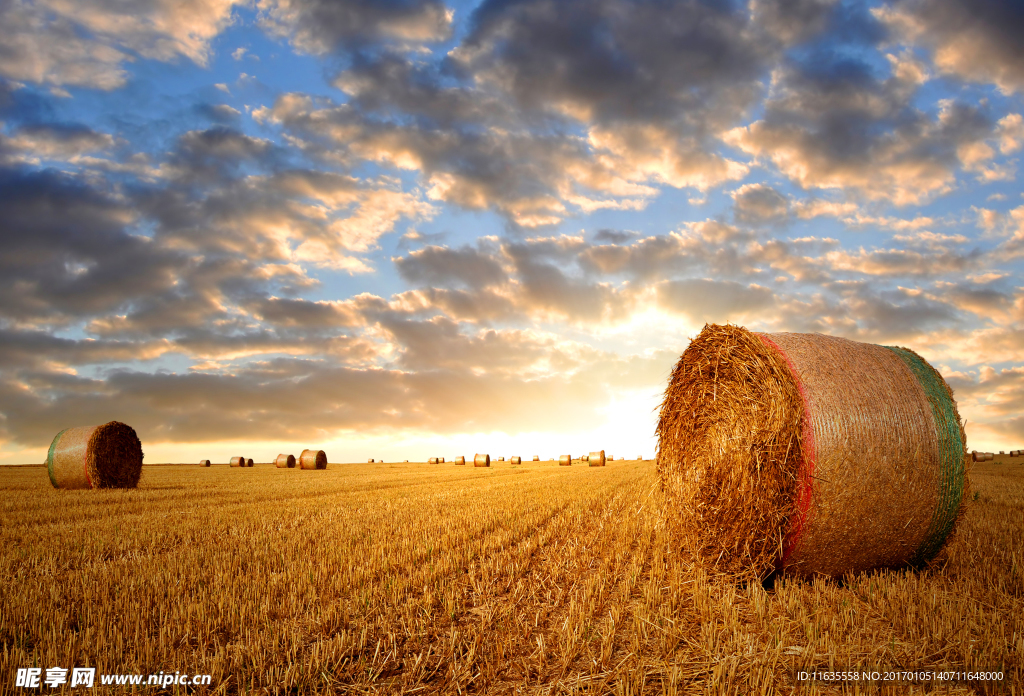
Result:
[[49, 458], [952, 475]]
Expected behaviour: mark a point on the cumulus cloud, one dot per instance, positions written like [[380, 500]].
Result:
[[976, 40], [320, 26], [86, 42], [832, 124]]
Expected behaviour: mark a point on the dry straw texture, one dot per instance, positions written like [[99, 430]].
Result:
[[482, 460], [97, 456], [285, 461], [237, 462], [313, 459], [204, 462], [596, 458], [809, 453], [460, 461], [517, 460], [565, 460]]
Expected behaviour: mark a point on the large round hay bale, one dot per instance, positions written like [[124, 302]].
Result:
[[989, 456], [596, 458], [285, 461], [565, 460], [516, 460], [459, 461], [312, 459], [95, 456], [501, 459], [204, 462], [482, 460], [248, 462], [433, 460], [237, 462], [809, 453]]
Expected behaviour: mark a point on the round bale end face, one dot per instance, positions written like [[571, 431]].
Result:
[[99, 456], [774, 459], [312, 459], [482, 460], [285, 461], [204, 462], [237, 462], [248, 462]]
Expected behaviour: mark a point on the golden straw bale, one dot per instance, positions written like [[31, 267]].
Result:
[[313, 459], [596, 458], [433, 460], [460, 461], [238, 462], [516, 460], [809, 454], [536, 457], [482, 460], [285, 461], [204, 462], [95, 456], [248, 462], [565, 460]]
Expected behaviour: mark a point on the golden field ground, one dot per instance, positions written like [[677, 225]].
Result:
[[410, 578]]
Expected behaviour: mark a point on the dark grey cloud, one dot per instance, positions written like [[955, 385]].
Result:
[[321, 26], [613, 236], [443, 267], [760, 204], [976, 40], [66, 251]]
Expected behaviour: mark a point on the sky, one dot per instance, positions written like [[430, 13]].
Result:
[[409, 228]]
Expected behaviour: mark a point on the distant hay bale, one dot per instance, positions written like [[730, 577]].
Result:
[[585, 458], [204, 462], [441, 460], [501, 459], [285, 461], [482, 460], [989, 457], [640, 458], [516, 460], [978, 456], [433, 460], [536, 457], [248, 462], [809, 454], [312, 459], [238, 462], [370, 460], [95, 456], [565, 460], [460, 461], [596, 458]]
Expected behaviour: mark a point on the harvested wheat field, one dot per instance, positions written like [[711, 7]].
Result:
[[402, 578]]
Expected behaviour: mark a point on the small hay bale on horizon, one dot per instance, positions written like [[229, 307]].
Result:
[[565, 460], [433, 460], [285, 461], [516, 460], [204, 462], [596, 458], [312, 459], [808, 454], [536, 457], [482, 460], [248, 462], [95, 456], [237, 462], [460, 461]]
